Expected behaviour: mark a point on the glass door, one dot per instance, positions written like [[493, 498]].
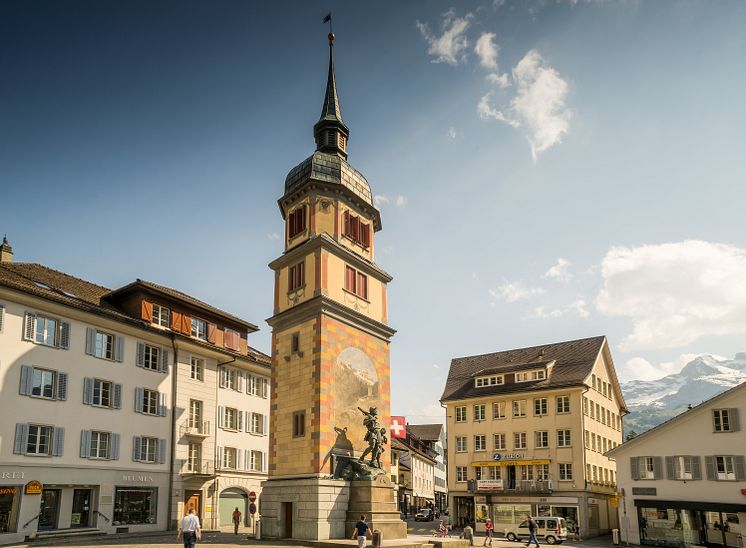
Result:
[[81, 510], [49, 510]]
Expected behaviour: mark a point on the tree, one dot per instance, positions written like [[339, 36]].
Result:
[[630, 435]]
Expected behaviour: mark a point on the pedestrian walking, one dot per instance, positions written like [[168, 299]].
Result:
[[236, 520], [361, 532], [488, 529], [190, 529], [531, 531]]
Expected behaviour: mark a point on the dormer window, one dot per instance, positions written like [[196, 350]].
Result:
[[297, 221], [493, 380], [356, 230], [526, 376]]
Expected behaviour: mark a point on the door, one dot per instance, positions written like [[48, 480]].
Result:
[[193, 500], [287, 520], [49, 510], [81, 510], [511, 477]]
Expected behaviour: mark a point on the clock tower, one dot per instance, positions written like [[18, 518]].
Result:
[[330, 339]]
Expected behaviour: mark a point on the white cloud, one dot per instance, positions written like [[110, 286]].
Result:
[[511, 292], [379, 200], [487, 50], [501, 80], [452, 132], [401, 201], [273, 236], [451, 44], [675, 293], [577, 307], [539, 105], [642, 369], [498, 3], [559, 271]]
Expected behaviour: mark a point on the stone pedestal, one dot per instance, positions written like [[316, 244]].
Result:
[[305, 508], [375, 499]]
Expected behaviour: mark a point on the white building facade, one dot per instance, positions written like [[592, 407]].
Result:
[[683, 483], [96, 434]]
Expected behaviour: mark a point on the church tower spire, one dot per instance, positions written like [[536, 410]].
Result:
[[330, 131]]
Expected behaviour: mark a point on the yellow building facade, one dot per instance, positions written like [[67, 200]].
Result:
[[527, 429], [330, 341]]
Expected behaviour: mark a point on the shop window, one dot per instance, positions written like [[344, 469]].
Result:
[[135, 505], [10, 498]]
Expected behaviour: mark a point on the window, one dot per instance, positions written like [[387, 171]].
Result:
[[39, 440], [598, 412], [356, 282], [563, 438], [299, 424], [460, 444], [683, 467], [725, 468], [196, 369], [499, 442], [100, 444], [195, 414], [230, 459], [151, 357], [44, 330], [256, 426], [104, 345], [646, 466], [542, 472], [565, 471], [149, 402], [42, 384], [542, 439], [480, 442], [494, 380], [519, 440], [230, 378], [297, 221], [134, 505], [595, 473], [563, 404], [461, 414], [585, 405], [587, 439], [356, 230], [230, 418], [527, 472], [461, 472], [148, 449], [256, 461], [295, 343], [723, 420], [161, 315], [540, 406], [525, 376], [296, 276], [199, 329], [194, 457], [101, 393], [479, 412], [519, 408], [498, 410]]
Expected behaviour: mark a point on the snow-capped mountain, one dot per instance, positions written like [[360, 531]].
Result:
[[653, 402]]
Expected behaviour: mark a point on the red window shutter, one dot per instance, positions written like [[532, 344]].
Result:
[[147, 311], [356, 228], [365, 234], [186, 325], [291, 278], [176, 321], [291, 224], [212, 333], [303, 211], [362, 285], [350, 279], [301, 274], [347, 229]]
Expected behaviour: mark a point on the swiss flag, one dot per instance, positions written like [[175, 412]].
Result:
[[398, 427]]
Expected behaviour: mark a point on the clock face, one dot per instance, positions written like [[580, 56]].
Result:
[[356, 384]]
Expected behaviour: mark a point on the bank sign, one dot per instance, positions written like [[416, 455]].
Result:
[[508, 456], [490, 485]]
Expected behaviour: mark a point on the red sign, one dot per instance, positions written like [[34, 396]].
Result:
[[252, 497], [252, 508], [743, 491], [398, 427]]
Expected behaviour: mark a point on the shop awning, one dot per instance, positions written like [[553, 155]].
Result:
[[511, 462]]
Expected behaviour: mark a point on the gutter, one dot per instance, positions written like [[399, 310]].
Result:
[[172, 458], [215, 495]]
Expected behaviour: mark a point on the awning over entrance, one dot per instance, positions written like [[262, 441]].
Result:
[[511, 462]]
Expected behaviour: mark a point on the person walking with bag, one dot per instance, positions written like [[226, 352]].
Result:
[[531, 531], [236, 520], [190, 529]]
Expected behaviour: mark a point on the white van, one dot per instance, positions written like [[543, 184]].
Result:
[[553, 530]]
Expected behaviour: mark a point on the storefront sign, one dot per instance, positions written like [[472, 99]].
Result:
[[511, 462], [652, 491], [480, 499], [33, 488], [11, 475], [508, 456], [490, 485], [137, 478], [8, 490]]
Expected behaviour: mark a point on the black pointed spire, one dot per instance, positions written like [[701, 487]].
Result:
[[330, 131]]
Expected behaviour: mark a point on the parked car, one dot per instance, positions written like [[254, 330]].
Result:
[[424, 514], [550, 528]]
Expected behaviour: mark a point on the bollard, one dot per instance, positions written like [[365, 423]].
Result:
[[469, 534], [258, 533], [615, 537], [377, 538]]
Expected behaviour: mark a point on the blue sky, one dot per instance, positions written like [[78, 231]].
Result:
[[545, 170]]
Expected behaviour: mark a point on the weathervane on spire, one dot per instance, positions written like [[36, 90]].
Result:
[[328, 19]]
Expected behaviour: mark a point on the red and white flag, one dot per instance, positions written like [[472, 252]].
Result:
[[398, 427]]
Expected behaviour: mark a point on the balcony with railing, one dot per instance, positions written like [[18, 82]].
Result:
[[195, 429], [523, 487], [190, 467]]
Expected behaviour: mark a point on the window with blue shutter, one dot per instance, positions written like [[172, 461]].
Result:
[[136, 448], [64, 335], [90, 341], [87, 391], [62, 386], [164, 361], [117, 399], [114, 453], [119, 349], [161, 451], [26, 380], [21, 439], [85, 444], [58, 441], [139, 399]]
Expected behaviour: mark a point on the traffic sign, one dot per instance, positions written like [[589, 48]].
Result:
[[252, 508], [252, 496]]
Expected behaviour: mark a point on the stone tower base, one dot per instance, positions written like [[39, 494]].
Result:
[[305, 508], [376, 500]]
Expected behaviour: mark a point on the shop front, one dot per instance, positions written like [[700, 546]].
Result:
[[682, 524], [39, 500]]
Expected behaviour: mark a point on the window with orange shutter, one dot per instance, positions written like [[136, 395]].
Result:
[[350, 279]]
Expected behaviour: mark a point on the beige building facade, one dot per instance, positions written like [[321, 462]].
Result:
[[527, 429], [112, 399], [684, 482]]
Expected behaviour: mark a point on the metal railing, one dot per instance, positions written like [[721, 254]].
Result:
[[201, 429], [197, 468]]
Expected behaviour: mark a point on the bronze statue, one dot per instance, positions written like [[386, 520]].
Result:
[[375, 436]]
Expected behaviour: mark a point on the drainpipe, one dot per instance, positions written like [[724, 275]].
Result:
[[585, 480], [172, 458], [215, 498]]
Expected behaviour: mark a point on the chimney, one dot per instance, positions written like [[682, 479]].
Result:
[[6, 252]]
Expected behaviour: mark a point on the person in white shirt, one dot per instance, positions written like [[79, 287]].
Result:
[[190, 529]]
